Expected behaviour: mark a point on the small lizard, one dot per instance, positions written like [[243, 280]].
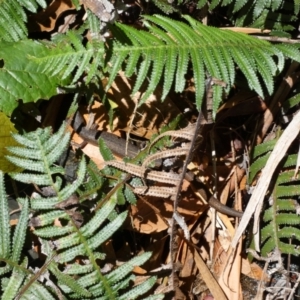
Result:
[[117, 145]]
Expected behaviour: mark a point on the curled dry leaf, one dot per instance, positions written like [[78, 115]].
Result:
[[146, 220]]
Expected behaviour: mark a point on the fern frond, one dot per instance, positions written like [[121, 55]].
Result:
[[170, 45], [13, 18], [277, 15], [281, 218], [38, 154], [83, 242], [164, 52], [70, 239], [68, 54]]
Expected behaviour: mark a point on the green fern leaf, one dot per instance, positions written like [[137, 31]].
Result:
[[183, 60], [165, 6], [105, 151], [78, 269], [71, 253], [69, 282], [49, 217], [48, 232], [296, 6], [289, 51], [94, 241], [260, 156], [226, 2], [238, 5], [213, 4], [142, 73], [116, 63], [15, 281], [291, 160], [20, 232], [107, 231], [257, 166], [291, 102], [275, 4], [121, 199], [217, 96], [259, 13], [288, 190], [4, 221], [291, 219], [64, 56], [289, 231], [98, 219], [263, 148], [140, 289], [201, 3], [170, 65], [157, 70], [91, 279], [127, 267], [258, 8], [129, 195], [93, 25], [10, 251], [48, 150]]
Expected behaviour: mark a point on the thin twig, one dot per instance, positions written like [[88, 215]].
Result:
[[43, 269], [276, 39]]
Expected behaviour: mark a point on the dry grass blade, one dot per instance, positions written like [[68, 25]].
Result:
[[209, 279], [256, 200]]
